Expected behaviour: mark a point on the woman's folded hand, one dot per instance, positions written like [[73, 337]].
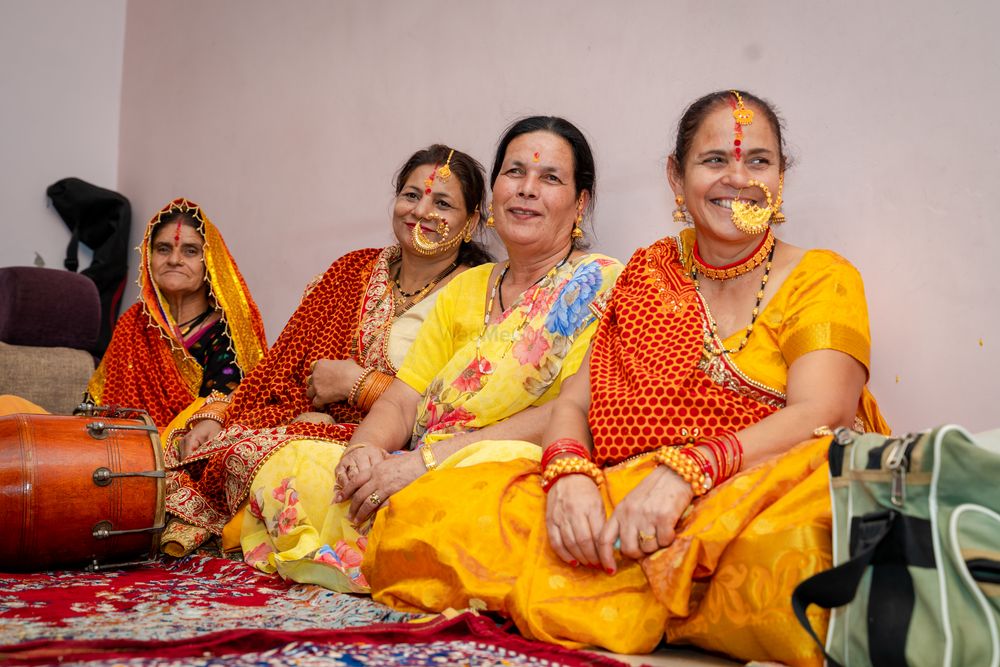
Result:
[[202, 431]]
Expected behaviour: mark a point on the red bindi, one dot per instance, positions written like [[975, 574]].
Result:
[[429, 181]]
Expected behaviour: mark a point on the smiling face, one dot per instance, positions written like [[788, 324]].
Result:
[[414, 205], [712, 175], [534, 196], [177, 260]]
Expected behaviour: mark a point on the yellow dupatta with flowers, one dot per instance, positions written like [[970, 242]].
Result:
[[471, 375], [146, 365]]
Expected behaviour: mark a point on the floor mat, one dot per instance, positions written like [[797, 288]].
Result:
[[171, 600], [203, 610], [464, 640]]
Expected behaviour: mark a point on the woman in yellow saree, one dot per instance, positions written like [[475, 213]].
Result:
[[485, 366], [682, 493]]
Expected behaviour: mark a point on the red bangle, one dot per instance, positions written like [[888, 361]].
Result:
[[728, 452], [702, 461], [564, 446]]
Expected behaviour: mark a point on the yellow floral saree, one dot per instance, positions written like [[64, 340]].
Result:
[[469, 376]]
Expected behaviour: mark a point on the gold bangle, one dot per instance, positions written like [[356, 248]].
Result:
[[429, 461], [352, 396], [198, 416], [570, 465], [685, 468], [217, 396]]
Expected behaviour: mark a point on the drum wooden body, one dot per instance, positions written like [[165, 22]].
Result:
[[79, 491]]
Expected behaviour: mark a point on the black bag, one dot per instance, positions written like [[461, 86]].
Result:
[[101, 219]]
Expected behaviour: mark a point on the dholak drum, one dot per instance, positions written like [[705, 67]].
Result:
[[83, 490]]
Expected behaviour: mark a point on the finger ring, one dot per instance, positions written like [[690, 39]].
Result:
[[374, 499], [645, 537]]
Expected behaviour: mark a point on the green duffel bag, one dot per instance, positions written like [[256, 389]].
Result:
[[916, 551]]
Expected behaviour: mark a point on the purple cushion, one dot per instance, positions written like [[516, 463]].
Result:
[[48, 308]]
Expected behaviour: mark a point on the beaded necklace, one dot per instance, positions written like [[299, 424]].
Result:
[[740, 266], [413, 298], [426, 288], [713, 344], [482, 363]]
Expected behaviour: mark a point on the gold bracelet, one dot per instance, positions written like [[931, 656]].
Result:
[[217, 396], [352, 396], [198, 416], [685, 467], [428, 456], [570, 465], [215, 407]]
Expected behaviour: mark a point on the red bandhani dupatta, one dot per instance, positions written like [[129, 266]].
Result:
[[146, 366], [208, 488], [653, 381]]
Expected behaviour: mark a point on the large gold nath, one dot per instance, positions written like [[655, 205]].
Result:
[[750, 218]]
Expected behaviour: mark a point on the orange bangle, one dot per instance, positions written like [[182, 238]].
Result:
[[374, 388]]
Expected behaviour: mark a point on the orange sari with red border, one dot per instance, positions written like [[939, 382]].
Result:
[[146, 365], [345, 315]]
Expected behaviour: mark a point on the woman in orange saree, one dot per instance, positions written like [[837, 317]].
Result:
[[195, 330], [682, 494], [337, 353]]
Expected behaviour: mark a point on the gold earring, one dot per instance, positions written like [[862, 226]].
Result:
[[778, 217], [489, 220], [750, 218], [577, 232], [467, 237], [680, 213]]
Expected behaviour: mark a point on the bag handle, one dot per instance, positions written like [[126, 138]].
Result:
[[837, 586]]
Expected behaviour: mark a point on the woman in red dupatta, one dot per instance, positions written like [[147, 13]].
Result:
[[683, 492], [337, 353], [195, 330]]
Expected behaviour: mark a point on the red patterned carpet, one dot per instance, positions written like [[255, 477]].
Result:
[[211, 611]]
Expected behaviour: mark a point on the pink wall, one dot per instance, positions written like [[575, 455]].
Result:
[[287, 120], [60, 97]]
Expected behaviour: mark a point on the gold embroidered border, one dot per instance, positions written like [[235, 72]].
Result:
[[721, 370], [377, 315]]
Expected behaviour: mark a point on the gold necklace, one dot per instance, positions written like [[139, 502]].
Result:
[[740, 266], [423, 290], [713, 344], [413, 298]]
